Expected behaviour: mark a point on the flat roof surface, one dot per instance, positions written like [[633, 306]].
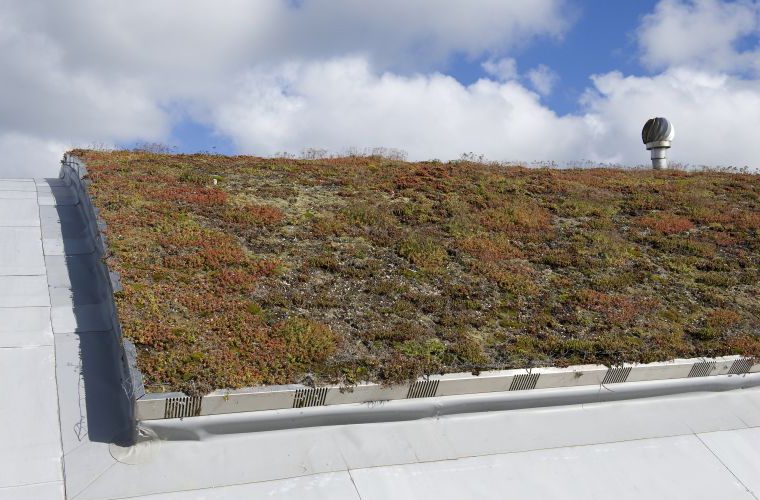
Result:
[[61, 406]]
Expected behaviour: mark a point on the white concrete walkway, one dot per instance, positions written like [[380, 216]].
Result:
[[30, 440]]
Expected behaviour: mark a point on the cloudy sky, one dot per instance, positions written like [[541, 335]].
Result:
[[514, 80]]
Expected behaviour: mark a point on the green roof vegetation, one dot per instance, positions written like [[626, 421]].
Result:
[[241, 271]]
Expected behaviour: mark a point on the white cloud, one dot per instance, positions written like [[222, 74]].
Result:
[[542, 79], [343, 103], [94, 71], [25, 156], [504, 69], [701, 34], [344, 73]]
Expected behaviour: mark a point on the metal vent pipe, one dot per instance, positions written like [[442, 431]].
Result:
[[657, 134]]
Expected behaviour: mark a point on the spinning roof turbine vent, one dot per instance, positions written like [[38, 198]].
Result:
[[657, 134]]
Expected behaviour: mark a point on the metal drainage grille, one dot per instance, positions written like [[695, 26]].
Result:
[[741, 365], [310, 397], [183, 406], [423, 389], [616, 375], [702, 369], [524, 382]]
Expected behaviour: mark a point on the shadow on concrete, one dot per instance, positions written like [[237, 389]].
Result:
[[86, 292]]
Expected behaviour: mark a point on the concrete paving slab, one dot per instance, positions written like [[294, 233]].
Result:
[[42, 491], [526, 430], [25, 327], [18, 212], [81, 318], [93, 409], [75, 280], [79, 273], [29, 432], [331, 486], [24, 291], [163, 467], [56, 196], [739, 451], [397, 443], [18, 195], [64, 231], [50, 181], [678, 467], [17, 185], [21, 251]]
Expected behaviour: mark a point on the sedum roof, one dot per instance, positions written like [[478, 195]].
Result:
[[241, 271]]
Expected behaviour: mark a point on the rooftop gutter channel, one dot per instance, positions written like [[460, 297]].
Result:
[[491, 390], [74, 174]]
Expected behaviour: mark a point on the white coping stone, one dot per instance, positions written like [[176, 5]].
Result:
[[21, 251], [18, 212], [153, 408], [238, 401], [365, 393], [17, 185], [41, 491], [723, 364], [662, 370], [570, 377], [25, 326], [677, 467], [24, 291], [465, 383], [31, 443]]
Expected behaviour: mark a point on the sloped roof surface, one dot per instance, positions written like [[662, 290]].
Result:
[[240, 271]]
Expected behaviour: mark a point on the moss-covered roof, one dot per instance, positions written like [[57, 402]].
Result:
[[240, 271]]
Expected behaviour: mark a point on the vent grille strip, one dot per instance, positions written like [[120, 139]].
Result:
[[702, 369], [616, 375], [741, 366], [310, 397], [423, 389], [524, 382], [183, 406]]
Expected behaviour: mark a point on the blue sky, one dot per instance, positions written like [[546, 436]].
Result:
[[601, 39], [513, 80]]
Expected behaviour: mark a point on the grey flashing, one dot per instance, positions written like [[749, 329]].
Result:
[[74, 178]]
